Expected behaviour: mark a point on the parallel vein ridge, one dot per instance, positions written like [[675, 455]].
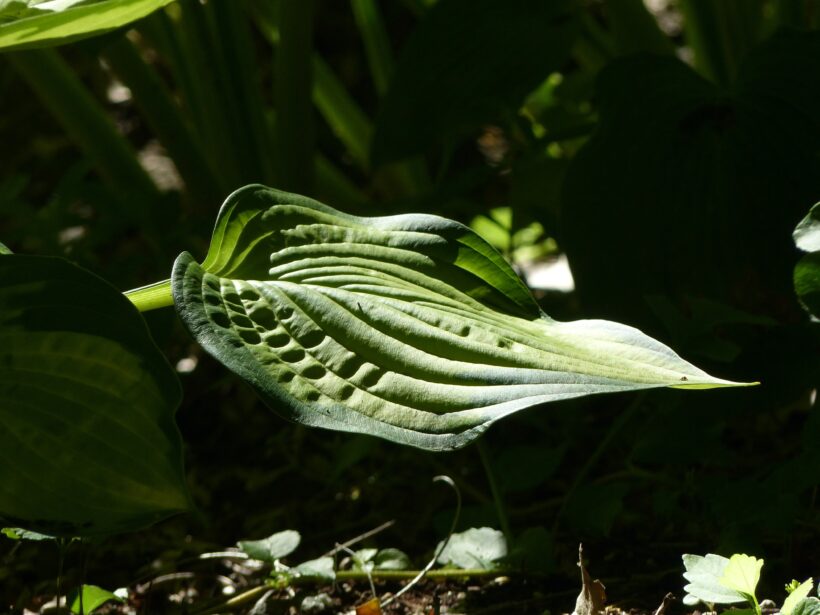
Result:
[[409, 327]]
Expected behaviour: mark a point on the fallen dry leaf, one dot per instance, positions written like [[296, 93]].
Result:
[[592, 599]]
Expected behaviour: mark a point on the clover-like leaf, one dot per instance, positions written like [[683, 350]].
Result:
[[410, 327]]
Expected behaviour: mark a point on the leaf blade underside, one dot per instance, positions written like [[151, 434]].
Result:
[[408, 327]]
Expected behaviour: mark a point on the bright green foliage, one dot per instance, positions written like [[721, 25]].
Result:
[[704, 574], [4, 249], [742, 575], [25, 24], [93, 598], [807, 272], [481, 548], [410, 327], [273, 547], [89, 445], [797, 593]]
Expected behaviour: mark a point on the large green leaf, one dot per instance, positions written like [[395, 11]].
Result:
[[408, 327], [25, 24], [88, 443], [467, 63]]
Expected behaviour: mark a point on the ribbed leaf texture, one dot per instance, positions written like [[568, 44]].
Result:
[[409, 327]]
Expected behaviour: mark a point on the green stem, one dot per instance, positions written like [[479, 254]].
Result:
[[498, 499], [65, 97], [151, 297], [294, 138]]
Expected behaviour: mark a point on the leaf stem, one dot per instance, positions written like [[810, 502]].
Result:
[[151, 297]]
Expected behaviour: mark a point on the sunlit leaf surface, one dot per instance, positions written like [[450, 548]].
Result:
[[410, 328]]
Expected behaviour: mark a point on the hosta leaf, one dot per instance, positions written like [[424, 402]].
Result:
[[807, 606], [408, 327], [26, 24], [88, 443]]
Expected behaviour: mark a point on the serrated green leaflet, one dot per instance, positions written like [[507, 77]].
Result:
[[88, 444], [410, 327], [26, 24]]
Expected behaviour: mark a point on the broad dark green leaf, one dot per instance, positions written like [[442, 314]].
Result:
[[468, 62], [690, 190], [88, 445], [409, 327], [26, 24]]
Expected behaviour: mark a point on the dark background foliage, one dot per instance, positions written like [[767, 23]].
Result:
[[667, 151]]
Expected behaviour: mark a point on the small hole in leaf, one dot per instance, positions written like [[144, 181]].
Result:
[[285, 313], [249, 295], [464, 331], [313, 395], [212, 299], [286, 376]]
